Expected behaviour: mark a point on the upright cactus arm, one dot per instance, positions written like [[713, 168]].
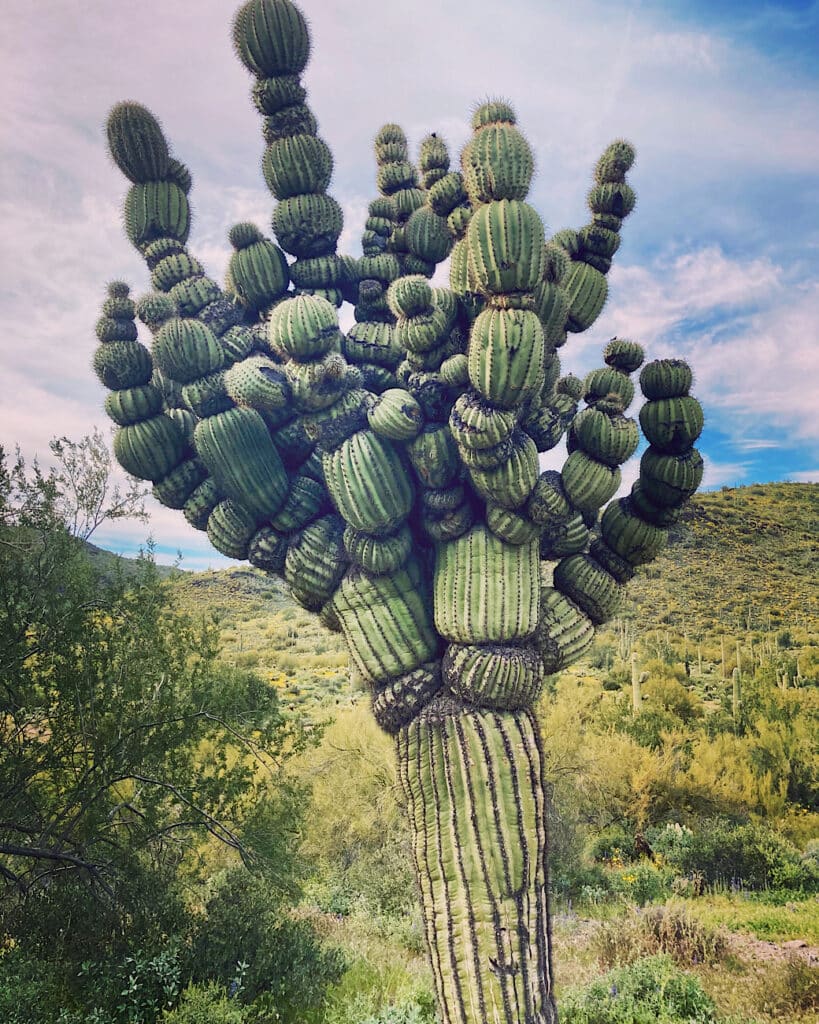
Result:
[[592, 248], [273, 42], [391, 474]]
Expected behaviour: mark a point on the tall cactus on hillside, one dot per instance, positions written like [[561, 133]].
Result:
[[392, 476]]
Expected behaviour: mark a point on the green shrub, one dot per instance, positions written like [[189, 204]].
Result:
[[664, 929], [151, 984], [246, 920], [648, 727], [810, 858], [206, 1004], [726, 853], [404, 1013], [614, 842], [672, 841], [650, 991], [575, 880], [28, 995], [643, 882]]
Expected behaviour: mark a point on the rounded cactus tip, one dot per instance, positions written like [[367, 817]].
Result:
[[154, 309], [571, 386], [410, 296], [434, 152], [118, 290], [243, 235], [496, 111], [370, 290], [618, 158], [136, 143], [390, 133], [624, 355], [271, 38]]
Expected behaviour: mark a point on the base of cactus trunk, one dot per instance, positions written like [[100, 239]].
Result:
[[473, 784]]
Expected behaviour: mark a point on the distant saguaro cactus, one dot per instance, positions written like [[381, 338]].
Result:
[[392, 476]]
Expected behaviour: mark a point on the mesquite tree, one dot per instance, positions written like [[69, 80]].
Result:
[[391, 474]]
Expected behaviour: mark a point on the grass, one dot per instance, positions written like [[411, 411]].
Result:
[[795, 919], [383, 970]]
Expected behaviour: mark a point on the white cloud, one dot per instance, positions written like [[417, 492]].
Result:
[[717, 474], [748, 331], [808, 476], [652, 303], [755, 444]]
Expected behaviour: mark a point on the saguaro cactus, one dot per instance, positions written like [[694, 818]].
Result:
[[392, 475]]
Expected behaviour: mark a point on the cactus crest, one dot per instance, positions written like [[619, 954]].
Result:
[[493, 112], [271, 38], [390, 133], [154, 309], [623, 355], [571, 386], [616, 161]]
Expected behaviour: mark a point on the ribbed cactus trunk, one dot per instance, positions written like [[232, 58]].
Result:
[[473, 784]]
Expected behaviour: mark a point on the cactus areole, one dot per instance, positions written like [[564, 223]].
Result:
[[391, 474]]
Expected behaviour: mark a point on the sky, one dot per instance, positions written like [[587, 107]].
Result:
[[719, 264]]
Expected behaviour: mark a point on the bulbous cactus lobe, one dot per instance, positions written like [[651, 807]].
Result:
[[136, 143], [271, 38]]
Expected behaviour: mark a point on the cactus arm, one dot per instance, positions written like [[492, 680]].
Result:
[[272, 40], [592, 248]]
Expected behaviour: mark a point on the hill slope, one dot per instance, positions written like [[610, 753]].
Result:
[[743, 562], [742, 558]]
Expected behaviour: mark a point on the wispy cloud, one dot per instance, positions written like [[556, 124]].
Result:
[[756, 444], [807, 476]]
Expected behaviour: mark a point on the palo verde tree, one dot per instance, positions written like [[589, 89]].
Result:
[[106, 701], [391, 474], [128, 753]]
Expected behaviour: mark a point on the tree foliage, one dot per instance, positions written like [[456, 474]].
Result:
[[133, 764], [87, 493]]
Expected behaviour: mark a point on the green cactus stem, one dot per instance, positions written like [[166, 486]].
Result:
[[637, 680], [480, 860]]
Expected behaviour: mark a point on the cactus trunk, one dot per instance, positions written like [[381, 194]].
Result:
[[636, 685], [473, 785]]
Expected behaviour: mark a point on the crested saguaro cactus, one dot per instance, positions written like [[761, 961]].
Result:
[[392, 475]]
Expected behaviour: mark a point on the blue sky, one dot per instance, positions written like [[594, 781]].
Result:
[[719, 263]]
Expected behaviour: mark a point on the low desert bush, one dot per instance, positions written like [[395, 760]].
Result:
[[668, 929], [652, 990]]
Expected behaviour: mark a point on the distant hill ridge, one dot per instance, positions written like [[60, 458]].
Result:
[[741, 559], [739, 547]]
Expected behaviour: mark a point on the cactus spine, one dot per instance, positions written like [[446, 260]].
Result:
[[391, 473]]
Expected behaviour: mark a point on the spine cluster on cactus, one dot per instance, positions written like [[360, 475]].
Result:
[[391, 472]]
